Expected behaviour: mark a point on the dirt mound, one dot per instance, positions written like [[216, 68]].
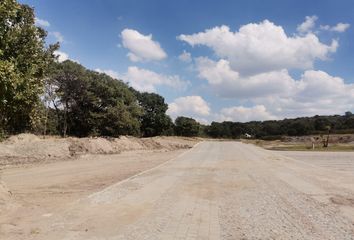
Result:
[[28, 148], [23, 138], [90, 145]]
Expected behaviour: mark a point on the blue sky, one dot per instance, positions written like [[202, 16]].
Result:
[[216, 60]]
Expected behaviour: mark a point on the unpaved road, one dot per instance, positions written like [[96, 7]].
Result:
[[217, 190]]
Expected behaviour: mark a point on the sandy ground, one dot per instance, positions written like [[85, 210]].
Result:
[[217, 190], [339, 161], [41, 189], [30, 149]]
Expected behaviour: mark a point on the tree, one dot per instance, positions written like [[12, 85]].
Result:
[[114, 109], [90, 103], [215, 130], [348, 114], [24, 60], [326, 141], [185, 126], [298, 128], [154, 121], [321, 123]]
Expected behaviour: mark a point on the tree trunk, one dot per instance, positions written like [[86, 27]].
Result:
[[65, 127], [45, 123]]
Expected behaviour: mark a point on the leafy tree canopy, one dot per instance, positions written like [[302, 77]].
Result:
[[185, 126], [90, 103], [24, 60], [154, 121]]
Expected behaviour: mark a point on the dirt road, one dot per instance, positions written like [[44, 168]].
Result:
[[217, 190]]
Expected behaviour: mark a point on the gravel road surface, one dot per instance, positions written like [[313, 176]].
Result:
[[217, 190]]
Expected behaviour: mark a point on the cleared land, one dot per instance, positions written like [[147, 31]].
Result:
[[337, 143], [217, 190], [338, 161]]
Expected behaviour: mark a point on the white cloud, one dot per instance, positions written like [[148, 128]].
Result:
[[245, 114], [109, 72], [147, 80], [308, 25], [185, 57], [215, 72], [62, 56], [253, 67], [340, 27], [58, 36], [42, 22], [189, 106], [228, 83], [316, 92], [262, 47], [141, 47]]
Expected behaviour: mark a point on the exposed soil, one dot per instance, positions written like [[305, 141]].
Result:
[[337, 143], [30, 149], [216, 190], [334, 138]]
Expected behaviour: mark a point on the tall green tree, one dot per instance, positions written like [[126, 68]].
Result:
[[24, 59], [187, 127], [90, 103], [154, 121], [115, 110]]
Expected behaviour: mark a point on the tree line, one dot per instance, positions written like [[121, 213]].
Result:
[[275, 129], [40, 95]]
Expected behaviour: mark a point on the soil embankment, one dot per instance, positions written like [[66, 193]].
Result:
[[30, 149]]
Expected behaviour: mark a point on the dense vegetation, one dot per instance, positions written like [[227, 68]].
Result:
[[288, 127], [24, 61], [40, 95], [89, 103]]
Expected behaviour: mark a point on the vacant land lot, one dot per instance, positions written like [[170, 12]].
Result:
[[337, 143], [217, 190], [339, 161]]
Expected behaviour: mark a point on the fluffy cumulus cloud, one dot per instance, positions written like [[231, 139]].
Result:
[[189, 106], [228, 83], [280, 95], [340, 27], [185, 57], [109, 72], [253, 65], [62, 56], [319, 93], [147, 80], [245, 114], [262, 47], [308, 25], [315, 93], [42, 22], [141, 47]]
